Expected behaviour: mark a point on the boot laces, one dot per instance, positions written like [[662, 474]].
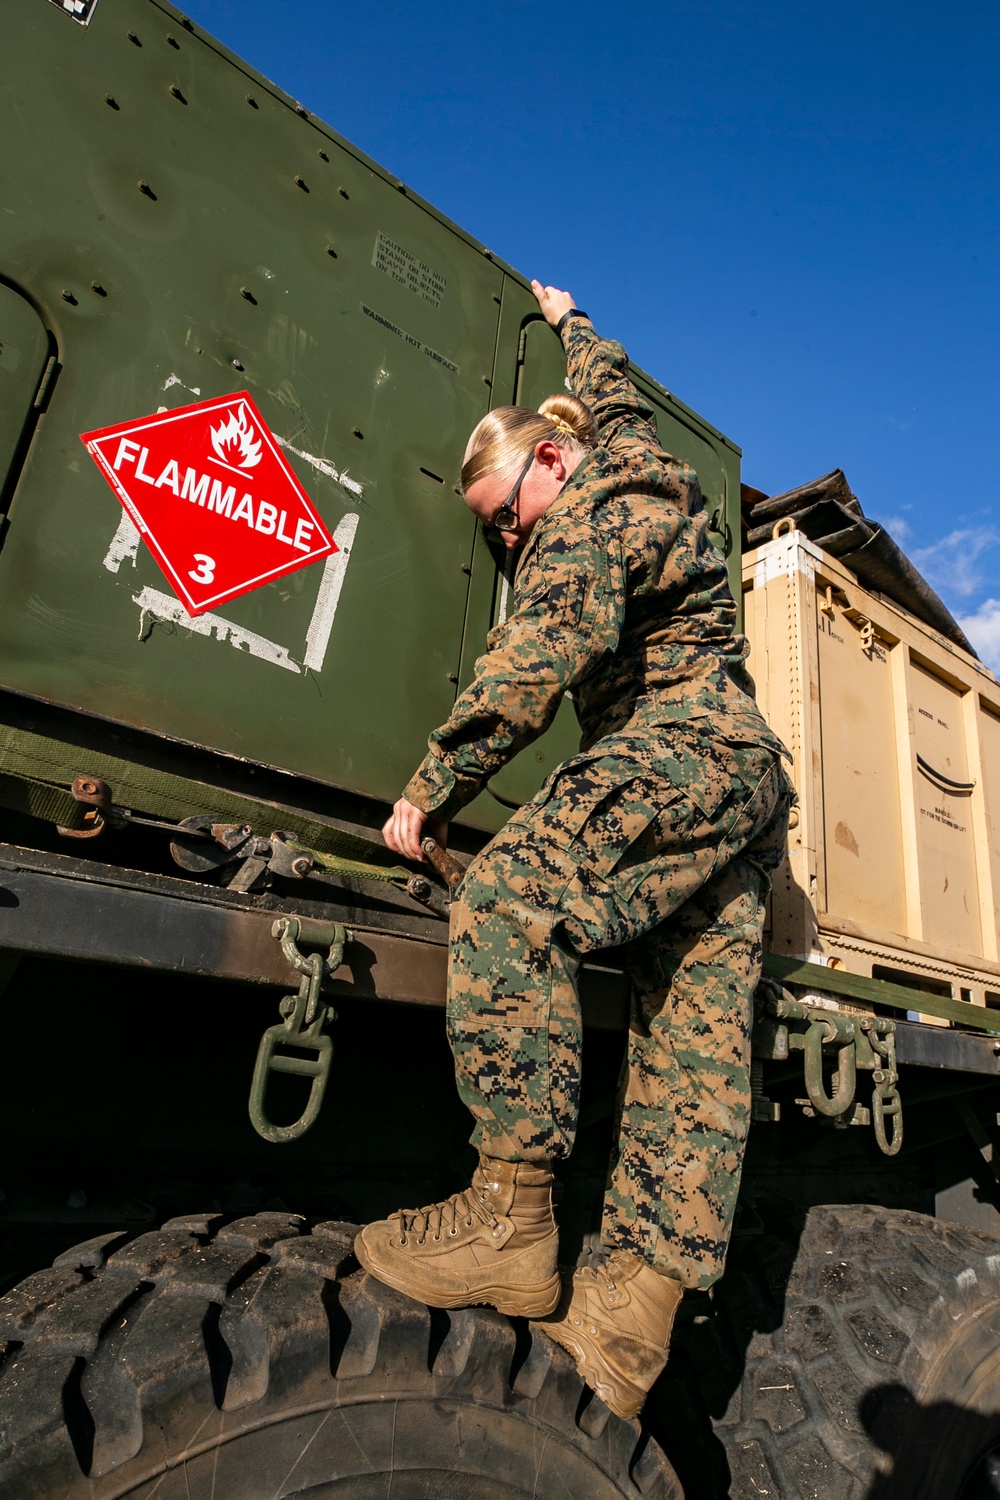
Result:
[[461, 1208], [612, 1272]]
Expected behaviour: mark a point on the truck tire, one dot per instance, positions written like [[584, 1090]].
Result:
[[862, 1365], [254, 1360]]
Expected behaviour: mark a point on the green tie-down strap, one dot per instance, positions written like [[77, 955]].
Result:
[[40, 799], [336, 864], [36, 773]]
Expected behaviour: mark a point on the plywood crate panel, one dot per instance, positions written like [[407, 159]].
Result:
[[894, 860]]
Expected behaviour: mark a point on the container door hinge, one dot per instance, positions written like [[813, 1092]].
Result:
[[864, 626]]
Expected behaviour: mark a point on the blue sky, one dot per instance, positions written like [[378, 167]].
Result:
[[787, 212]]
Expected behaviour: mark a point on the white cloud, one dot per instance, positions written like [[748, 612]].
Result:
[[954, 565], [898, 528], [983, 629]]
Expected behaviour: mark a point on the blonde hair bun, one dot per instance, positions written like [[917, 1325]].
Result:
[[502, 440], [571, 418]]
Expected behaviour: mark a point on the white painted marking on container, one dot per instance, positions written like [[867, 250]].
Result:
[[155, 605], [158, 606], [334, 570], [176, 380], [506, 577], [504, 591], [322, 466], [124, 545]]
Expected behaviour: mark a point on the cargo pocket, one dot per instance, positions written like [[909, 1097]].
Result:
[[594, 811], [675, 830], [570, 797], [525, 1081]]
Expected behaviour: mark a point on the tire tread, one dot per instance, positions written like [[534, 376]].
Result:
[[111, 1351], [801, 1365]]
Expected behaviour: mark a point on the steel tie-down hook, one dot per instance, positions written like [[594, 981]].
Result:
[[820, 1032], [886, 1103], [305, 1017]]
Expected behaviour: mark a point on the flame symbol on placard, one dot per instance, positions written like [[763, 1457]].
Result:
[[235, 441]]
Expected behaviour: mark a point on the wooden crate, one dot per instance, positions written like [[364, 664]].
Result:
[[893, 866]]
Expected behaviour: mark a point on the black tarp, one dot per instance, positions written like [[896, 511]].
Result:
[[828, 512]]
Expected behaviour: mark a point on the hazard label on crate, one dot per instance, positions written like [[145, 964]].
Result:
[[213, 497]]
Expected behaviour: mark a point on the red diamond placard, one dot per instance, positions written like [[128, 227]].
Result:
[[212, 496]]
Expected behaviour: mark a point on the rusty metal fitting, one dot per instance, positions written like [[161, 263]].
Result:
[[96, 794]]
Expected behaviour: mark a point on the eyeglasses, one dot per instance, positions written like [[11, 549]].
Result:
[[507, 518]]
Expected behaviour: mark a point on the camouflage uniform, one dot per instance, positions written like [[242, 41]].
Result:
[[659, 834]]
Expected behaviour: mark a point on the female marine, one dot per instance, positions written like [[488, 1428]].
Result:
[[659, 834]]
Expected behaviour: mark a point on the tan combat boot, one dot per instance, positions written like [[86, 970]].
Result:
[[616, 1323], [494, 1243]]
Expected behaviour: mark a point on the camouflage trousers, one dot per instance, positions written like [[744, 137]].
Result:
[[673, 860]]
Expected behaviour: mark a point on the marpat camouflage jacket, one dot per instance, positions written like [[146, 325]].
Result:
[[619, 597]]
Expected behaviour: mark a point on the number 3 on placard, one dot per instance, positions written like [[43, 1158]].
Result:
[[205, 571]]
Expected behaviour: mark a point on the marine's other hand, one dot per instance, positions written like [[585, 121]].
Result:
[[554, 303], [407, 825]]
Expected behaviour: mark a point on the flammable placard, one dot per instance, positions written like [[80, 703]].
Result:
[[213, 497]]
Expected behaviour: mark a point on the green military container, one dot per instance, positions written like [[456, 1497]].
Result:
[[203, 236], [209, 696]]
